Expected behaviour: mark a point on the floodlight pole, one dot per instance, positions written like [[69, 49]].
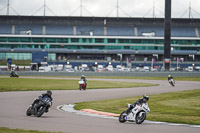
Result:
[[8, 4], [117, 9], [81, 6], [167, 41], [190, 10], [153, 9], [44, 8]]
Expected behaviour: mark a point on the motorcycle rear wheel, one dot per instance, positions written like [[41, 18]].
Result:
[[122, 117], [28, 112]]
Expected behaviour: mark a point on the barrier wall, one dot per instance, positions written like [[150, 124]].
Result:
[[128, 74]]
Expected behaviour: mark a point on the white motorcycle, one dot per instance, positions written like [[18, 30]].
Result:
[[172, 82], [137, 114]]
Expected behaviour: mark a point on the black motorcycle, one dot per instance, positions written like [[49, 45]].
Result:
[[14, 74], [39, 107]]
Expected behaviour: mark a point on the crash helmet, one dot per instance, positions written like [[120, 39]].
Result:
[[49, 93], [169, 76], [83, 76], [145, 98]]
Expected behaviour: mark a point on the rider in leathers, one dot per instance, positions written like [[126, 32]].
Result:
[[84, 79], [170, 77], [144, 99], [47, 94], [13, 73]]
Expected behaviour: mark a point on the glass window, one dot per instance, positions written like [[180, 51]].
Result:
[[3, 39], [62, 40], [2, 56], [136, 41], [13, 56], [24, 56], [17, 56], [84, 40], [13, 39], [111, 40], [74, 40], [37, 39], [25, 40], [99, 40], [51, 56], [50, 40], [87, 40], [124, 40]]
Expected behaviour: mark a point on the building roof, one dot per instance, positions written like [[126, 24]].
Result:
[[70, 20]]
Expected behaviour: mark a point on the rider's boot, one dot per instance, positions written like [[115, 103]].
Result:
[[47, 109]]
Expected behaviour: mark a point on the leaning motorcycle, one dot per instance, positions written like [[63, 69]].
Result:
[[40, 107], [82, 85], [137, 114], [172, 82], [14, 74]]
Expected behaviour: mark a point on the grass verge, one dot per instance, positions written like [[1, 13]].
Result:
[[176, 107], [8, 130], [25, 84], [113, 77]]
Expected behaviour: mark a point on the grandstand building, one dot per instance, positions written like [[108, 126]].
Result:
[[97, 38]]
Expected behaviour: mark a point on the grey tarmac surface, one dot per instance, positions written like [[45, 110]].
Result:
[[13, 106]]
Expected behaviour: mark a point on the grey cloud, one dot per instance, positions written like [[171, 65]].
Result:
[[134, 8]]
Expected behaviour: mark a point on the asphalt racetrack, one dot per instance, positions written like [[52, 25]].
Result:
[[13, 107]]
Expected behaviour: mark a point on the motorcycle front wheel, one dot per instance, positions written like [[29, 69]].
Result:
[[80, 88], [140, 117], [40, 110], [122, 117]]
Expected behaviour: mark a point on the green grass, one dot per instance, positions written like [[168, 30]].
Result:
[[124, 77], [26, 84], [8, 130], [17, 62], [175, 107]]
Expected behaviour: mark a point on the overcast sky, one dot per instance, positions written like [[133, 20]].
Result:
[[102, 8]]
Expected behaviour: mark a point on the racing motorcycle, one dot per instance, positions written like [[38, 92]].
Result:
[[82, 85], [172, 82], [137, 114], [14, 74], [39, 107]]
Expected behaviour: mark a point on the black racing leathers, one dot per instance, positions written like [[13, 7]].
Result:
[[41, 97], [169, 78]]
